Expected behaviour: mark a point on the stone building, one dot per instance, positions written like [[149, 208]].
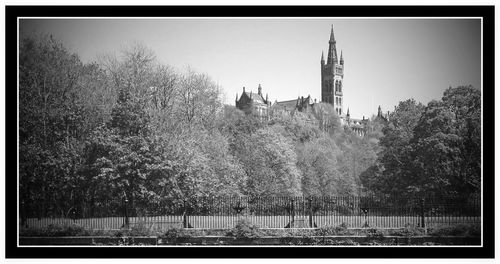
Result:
[[254, 103], [301, 104], [332, 78]]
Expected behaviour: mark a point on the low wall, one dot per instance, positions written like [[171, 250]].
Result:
[[222, 240]]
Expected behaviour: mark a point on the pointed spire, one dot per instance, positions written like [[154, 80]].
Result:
[[341, 58], [322, 56], [379, 111], [236, 96], [332, 49], [348, 111], [243, 89], [332, 36], [259, 90], [266, 98]]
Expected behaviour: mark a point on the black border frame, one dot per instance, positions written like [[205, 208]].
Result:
[[13, 12]]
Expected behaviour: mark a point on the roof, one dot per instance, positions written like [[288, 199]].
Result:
[[255, 97], [290, 104]]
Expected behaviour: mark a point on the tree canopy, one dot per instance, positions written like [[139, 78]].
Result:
[[128, 127]]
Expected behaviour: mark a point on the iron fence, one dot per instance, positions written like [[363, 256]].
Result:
[[274, 212]]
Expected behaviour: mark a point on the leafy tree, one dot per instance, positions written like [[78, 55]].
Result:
[[50, 118], [327, 117], [431, 150], [269, 162], [447, 143], [298, 127], [394, 170], [199, 100], [318, 161]]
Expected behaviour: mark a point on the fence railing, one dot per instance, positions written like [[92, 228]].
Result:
[[277, 212]]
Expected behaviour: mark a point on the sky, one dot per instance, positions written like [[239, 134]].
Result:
[[386, 60]]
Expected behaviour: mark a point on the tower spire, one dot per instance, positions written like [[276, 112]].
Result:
[[341, 57], [332, 36], [322, 56], [332, 49]]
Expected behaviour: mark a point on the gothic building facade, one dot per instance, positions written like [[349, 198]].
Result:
[[254, 103], [332, 79]]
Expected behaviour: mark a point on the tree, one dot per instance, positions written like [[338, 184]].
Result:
[[447, 143], [318, 161], [299, 127], [327, 117], [199, 100], [394, 171], [432, 150], [269, 162], [50, 117]]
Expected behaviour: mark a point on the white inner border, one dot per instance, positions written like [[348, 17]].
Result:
[[254, 18]]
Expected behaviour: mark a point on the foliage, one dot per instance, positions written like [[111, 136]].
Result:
[[408, 231], [174, 233], [393, 169], [341, 230], [56, 230], [269, 162], [374, 233], [467, 230], [128, 128], [244, 229], [447, 144], [317, 159], [432, 150]]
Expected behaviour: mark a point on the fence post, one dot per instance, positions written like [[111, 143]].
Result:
[[422, 213], [292, 213], [23, 214], [310, 212], [126, 224], [184, 216]]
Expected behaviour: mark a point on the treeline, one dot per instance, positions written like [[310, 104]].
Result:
[[432, 150], [131, 128]]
